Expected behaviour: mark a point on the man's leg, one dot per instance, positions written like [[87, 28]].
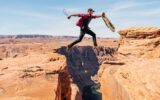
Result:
[[78, 40], [88, 31]]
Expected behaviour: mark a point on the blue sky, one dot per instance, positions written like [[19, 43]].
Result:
[[46, 17]]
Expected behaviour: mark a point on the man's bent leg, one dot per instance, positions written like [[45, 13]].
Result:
[[88, 31], [78, 40]]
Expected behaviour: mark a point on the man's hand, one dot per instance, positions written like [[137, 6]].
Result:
[[69, 17], [103, 14]]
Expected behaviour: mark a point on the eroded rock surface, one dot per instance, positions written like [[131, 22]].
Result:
[[31, 69], [135, 75], [35, 77]]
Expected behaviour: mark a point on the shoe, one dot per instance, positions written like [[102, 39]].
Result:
[[95, 46], [68, 48]]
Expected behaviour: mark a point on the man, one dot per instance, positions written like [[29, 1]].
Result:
[[83, 24]]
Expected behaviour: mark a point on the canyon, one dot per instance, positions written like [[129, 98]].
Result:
[[41, 68]]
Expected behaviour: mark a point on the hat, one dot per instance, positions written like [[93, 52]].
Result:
[[90, 9]]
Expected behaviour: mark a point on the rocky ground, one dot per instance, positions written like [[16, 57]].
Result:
[[40, 68], [135, 74]]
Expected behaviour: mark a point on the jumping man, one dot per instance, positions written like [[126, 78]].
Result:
[[83, 24]]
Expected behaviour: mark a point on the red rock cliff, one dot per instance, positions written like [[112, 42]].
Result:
[[135, 75]]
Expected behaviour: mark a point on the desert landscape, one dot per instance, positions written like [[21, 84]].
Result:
[[38, 67], [33, 69]]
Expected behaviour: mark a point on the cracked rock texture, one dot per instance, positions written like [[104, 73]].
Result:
[[36, 77], [135, 74]]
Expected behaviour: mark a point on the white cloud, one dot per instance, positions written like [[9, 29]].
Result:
[[123, 5], [149, 13], [134, 13], [68, 9], [74, 10], [32, 14], [25, 12], [126, 5]]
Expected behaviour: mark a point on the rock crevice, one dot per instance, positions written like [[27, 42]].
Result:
[[83, 63]]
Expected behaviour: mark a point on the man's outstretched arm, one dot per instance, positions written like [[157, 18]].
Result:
[[99, 16], [75, 15]]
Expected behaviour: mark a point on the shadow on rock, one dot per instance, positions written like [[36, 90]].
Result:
[[115, 63], [83, 62]]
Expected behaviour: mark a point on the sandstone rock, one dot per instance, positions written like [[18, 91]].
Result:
[[31, 70], [140, 32], [137, 80], [143, 47], [76, 93], [25, 78], [138, 77]]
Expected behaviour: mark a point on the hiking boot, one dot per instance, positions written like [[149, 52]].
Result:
[[68, 48]]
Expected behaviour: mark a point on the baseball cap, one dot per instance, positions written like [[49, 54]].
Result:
[[90, 9]]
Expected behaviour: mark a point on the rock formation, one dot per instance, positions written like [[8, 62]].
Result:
[[135, 75], [36, 77], [140, 42], [34, 71], [83, 63]]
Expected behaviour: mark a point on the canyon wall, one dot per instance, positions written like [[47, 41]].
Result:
[[83, 64], [135, 73], [36, 76]]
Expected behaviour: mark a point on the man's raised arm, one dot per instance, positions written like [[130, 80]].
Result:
[[75, 15], [99, 16]]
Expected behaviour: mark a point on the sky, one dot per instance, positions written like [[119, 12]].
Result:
[[46, 16]]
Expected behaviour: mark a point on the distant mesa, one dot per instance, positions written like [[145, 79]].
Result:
[[25, 36], [34, 36]]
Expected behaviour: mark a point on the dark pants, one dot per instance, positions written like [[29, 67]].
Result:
[[83, 32]]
